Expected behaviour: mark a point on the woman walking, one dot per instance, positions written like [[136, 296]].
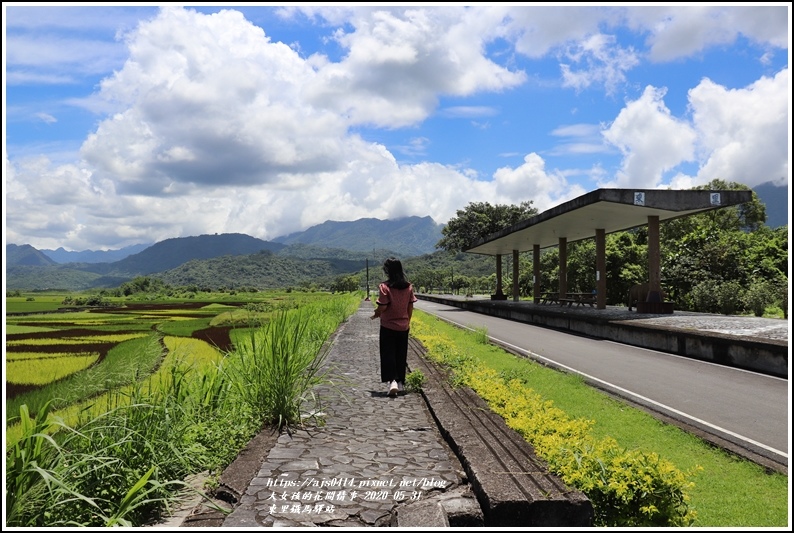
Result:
[[395, 306]]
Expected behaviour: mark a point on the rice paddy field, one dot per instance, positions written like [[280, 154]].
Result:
[[110, 408], [65, 354]]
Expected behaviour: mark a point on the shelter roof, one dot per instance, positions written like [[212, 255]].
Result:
[[608, 209]]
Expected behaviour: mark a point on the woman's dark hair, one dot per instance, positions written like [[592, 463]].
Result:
[[393, 269]]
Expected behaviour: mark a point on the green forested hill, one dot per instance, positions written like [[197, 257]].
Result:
[[267, 270], [460, 263], [55, 277], [309, 251], [171, 253], [261, 270]]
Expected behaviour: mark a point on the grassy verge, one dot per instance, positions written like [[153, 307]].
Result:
[[727, 492]]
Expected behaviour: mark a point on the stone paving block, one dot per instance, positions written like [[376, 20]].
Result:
[[422, 514]]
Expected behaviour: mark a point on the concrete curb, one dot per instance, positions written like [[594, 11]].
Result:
[[512, 484]]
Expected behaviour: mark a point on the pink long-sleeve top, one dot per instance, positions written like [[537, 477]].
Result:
[[395, 313]]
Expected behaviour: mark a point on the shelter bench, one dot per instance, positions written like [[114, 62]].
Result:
[[549, 298], [578, 298]]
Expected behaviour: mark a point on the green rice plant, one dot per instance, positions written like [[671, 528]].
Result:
[[183, 328], [215, 307], [81, 317], [107, 337], [21, 356], [13, 329], [197, 351], [232, 318], [32, 343], [124, 364], [21, 304], [47, 369], [124, 326]]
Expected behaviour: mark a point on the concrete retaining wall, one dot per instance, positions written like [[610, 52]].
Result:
[[759, 355]]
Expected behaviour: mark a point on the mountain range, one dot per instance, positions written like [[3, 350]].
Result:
[[93, 256], [409, 236], [290, 260]]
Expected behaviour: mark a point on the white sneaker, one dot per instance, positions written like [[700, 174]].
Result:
[[393, 389], [400, 386]]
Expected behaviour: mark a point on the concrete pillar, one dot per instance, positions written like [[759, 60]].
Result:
[[536, 272], [654, 269], [601, 269], [499, 294], [515, 275], [563, 266]]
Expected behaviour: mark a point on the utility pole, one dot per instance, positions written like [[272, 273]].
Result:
[[367, 263]]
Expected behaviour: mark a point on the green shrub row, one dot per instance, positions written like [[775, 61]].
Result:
[[731, 297]]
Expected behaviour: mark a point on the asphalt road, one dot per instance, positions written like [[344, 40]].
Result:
[[743, 411]]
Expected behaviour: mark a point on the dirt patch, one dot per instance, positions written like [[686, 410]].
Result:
[[216, 336]]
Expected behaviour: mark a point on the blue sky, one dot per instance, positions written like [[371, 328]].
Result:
[[130, 123]]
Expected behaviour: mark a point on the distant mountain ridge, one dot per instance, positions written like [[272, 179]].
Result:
[[93, 256], [356, 242], [406, 237], [171, 253]]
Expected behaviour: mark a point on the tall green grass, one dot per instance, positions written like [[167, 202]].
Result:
[[101, 474], [278, 365]]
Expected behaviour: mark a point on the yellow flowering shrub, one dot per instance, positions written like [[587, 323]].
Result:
[[628, 488]]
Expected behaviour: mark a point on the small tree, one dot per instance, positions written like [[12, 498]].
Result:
[[346, 284], [480, 219]]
